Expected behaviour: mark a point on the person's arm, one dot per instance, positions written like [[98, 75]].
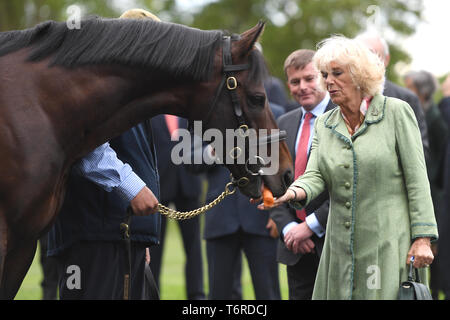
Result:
[[295, 234], [103, 168], [282, 217], [314, 224], [411, 156], [305, 188]]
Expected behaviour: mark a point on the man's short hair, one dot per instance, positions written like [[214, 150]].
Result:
[[298, 59], [425, 83]]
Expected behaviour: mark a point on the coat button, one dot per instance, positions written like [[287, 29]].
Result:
[[346, 166], [348, 205], [347, 185], [348, 224]]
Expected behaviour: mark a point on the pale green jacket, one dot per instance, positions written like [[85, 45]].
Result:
[[379, 199]]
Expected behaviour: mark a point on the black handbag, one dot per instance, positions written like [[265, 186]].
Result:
[[413, 289]]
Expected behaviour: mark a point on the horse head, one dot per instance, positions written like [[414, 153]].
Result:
[[240, 103]]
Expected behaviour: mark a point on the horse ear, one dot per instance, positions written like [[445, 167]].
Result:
[[249, 38]]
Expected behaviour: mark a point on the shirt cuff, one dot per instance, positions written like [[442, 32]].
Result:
[[288, 227], [314, 225], [130, 187]]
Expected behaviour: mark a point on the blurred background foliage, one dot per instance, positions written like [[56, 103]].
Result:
[[291, 24]]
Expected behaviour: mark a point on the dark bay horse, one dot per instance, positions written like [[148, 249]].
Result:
[[64, 92]]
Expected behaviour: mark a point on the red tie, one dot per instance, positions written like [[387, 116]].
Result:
[[172, 125], [301, 157]]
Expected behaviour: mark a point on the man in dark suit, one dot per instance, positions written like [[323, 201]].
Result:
[[444, 223], [181, 188], [379, 45], [302, 232]]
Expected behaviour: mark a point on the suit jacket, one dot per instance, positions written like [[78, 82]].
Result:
[[438, 133], [395, 91], [284, 215], [175, 180], [444, 219]]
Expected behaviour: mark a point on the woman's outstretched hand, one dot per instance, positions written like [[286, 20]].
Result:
[[292, 193]]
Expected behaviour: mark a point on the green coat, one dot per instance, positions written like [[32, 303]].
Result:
[[379, 199]]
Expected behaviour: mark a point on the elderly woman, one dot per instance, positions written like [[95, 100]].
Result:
[[368, 154]]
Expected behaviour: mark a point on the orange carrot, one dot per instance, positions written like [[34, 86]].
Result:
[[267, 197]]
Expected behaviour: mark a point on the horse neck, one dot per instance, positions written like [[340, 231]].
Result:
[[106, 101]]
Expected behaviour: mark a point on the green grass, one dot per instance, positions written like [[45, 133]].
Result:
[[172, 273], [31, 286]]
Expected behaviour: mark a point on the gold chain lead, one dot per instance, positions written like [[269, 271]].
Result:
[[177, 215]]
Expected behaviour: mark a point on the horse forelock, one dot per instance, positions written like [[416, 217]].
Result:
[[182, 51]]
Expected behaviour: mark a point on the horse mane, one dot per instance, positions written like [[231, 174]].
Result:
[[180, 50]]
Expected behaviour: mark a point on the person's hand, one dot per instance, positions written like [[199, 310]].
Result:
[[288, 196], [303, 247], [295, 239], [144, 203], [147, 256], [421, 250], [445, 87], [273, 231]]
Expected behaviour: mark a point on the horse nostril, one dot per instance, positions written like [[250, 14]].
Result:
[[288, 177]]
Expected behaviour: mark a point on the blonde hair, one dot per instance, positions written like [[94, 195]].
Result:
[[365, 67], [138, 14]]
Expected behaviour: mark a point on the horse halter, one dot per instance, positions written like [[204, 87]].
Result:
[[231, 83]]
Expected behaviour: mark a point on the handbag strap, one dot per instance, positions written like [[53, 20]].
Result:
[[410, 274]]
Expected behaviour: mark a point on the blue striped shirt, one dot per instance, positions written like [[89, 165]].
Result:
[[103, 168]]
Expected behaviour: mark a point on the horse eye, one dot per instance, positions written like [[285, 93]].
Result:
[[257, 100]]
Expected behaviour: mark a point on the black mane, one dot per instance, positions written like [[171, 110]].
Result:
[[169, 47]]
